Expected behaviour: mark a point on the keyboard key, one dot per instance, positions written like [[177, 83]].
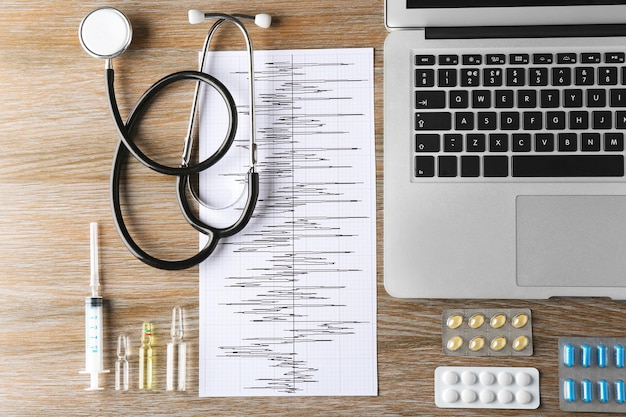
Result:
[[424, 166], [448, 59], [590, 58], [519, 59], [561, 76], [447, 77], [447, 166], [470, 77], [555, 120], [452, 142], [607, 76], [498, 142], [584, 76], [614, 142], [542, 59], [475, 143], [515, 76], [430, 99], [618, 97], [464, 121], [481, 99], [538, 77], [492, 77], [424, 60], [544, 142], [527, 99], [568, 166], [590, 142], [504, 99], [487, 120], [578, 120], [521, 142], [496, 59], [496, 166], [567, 58], [433, 121], [550, 99], [427, 143], [602, 120], [472, 59], [459, 99], [573, 98], [596, 98], [614, 57], [424, 78], [509, 121], [470, 166], [568, 142], [533, 120]]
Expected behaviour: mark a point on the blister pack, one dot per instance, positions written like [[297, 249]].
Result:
[[487, 332], [486, 387], [592, 374]]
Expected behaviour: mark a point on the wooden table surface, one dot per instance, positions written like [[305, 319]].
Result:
[[57, 144]]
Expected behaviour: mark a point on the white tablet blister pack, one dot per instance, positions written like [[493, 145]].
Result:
[[486, 387]]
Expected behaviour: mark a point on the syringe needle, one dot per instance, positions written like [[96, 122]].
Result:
[[95, 275]]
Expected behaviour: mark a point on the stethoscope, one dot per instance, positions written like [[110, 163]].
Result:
[[106, 33]]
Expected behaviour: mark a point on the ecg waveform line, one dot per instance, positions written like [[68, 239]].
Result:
[[294, 279]]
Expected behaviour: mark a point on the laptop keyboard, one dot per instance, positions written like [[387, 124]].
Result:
[[533, 114]]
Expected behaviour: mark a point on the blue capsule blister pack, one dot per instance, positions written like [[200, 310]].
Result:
[[592, 374]]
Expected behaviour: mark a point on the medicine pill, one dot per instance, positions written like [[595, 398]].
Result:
[[487, 332], [487, 387], [591, 374]]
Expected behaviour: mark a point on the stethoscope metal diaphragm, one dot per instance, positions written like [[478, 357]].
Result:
[[105, 33]]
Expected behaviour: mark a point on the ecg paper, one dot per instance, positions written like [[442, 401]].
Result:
[[288, 305]]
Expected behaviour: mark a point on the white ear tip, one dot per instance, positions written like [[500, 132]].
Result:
[[263, 20], [196, 16]]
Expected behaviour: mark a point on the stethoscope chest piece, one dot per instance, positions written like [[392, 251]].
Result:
[[105, 33]]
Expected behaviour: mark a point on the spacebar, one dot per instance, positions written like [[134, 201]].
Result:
[[568, 166]]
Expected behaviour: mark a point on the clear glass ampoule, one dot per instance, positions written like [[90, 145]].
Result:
[[121, 364]]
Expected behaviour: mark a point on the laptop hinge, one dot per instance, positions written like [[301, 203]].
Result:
[[556, 31]]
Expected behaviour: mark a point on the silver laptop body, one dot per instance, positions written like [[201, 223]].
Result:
[[479, 202]]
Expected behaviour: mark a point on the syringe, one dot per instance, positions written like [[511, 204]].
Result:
[[94, 360]]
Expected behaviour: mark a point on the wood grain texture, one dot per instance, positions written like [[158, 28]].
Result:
[[57, 144]]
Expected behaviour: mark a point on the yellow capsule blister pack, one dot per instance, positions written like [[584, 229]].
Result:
[[487, 332]]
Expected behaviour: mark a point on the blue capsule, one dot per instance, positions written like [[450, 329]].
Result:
[[585, 356], [569, 390], [569, 358], [603, 391], [618, 350], [587, 391], [602, 356], [620, 391]]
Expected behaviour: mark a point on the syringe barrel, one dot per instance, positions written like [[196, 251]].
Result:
[[94, 358]]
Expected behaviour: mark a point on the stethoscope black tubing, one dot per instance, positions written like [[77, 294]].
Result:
[[121, 156], [125, 130]]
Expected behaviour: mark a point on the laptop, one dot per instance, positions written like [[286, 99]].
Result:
[[504, 149]]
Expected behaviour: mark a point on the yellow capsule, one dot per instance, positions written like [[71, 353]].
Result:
[[520, 343], [455, 343], [476, 321], [520, 320], [476, 344], [498, 343], [454, 321], [497, 321]]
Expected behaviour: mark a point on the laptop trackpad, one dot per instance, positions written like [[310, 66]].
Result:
[[571, 241]]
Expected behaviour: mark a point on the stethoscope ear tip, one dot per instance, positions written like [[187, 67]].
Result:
[[195, 16], [263, 20]]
